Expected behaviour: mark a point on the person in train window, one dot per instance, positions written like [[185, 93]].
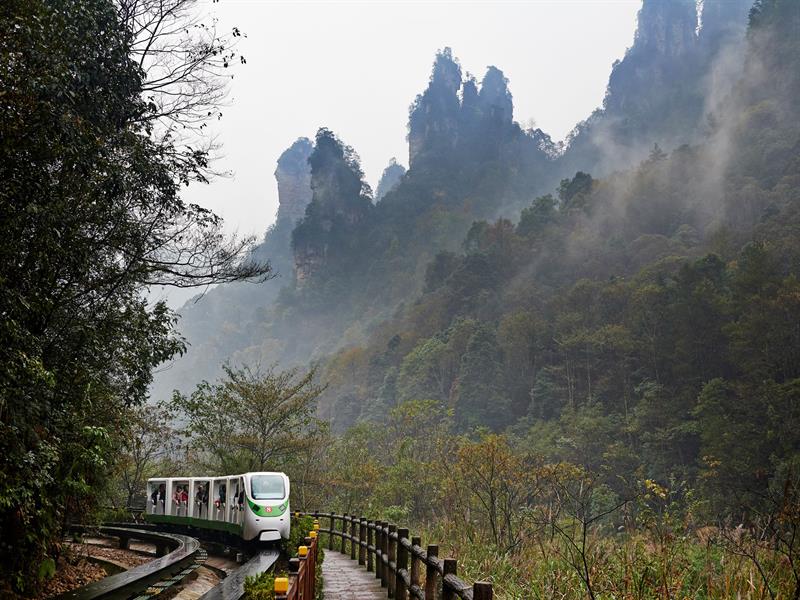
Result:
[[241, 500], [176, 496], [221, 500], [154, 496]]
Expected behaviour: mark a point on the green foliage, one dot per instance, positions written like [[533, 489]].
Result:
[[250, 421], [90, 216], [47, 569], [538, 527], [260, 587]]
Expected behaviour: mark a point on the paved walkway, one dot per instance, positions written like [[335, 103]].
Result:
[[345, 580]]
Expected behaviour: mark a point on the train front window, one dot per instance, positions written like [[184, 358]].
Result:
[[267, 487]]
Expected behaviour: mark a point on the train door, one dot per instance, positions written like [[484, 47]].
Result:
[[233, 495], [156, 496], [219, 498], [240, 497], [199, 498], [180, 497]]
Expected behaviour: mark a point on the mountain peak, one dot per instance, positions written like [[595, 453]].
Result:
[[293, 175]]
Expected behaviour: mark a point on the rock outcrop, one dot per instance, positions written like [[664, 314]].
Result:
[[340, 201], [391, 176], [294, 180], [658, 93], [433, 123], [446, 128]]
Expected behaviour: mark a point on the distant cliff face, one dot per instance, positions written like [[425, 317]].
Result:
[[340, 200], [494, 100], [444, 128], [658, 93], [391, 176], [433, 125], [294, 180]]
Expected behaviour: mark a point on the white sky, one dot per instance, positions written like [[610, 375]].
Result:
[[355, 67]]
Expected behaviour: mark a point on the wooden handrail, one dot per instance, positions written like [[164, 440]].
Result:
[[397, 559], [302, 574]]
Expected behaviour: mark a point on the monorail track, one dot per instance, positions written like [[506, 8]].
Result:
[[178, 557]]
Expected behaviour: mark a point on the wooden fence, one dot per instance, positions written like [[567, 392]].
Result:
[[399, 561], [302, 580]]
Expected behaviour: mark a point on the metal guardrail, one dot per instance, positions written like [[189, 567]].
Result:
[[175, 553], [397, 560]]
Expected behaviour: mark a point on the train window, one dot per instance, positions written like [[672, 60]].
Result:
[[267, 487], [219, 495], [233, 494], [200, 499], [180, 498], [157, 494]]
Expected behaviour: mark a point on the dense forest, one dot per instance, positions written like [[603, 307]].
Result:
[[517, 292]]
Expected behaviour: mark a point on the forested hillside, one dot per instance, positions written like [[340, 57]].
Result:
[[645, 320], [624, 313], [469, 160]]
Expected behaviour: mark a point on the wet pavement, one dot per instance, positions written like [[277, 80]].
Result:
[[346, 580]]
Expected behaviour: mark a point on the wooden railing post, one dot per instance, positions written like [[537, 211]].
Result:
[[450, 568], [362, 540], [378, 551], [384, 554], [431, 574], [482, 590], [370, 555], [343, 549], [302, 576], [352, 538], [294, 570], [414, 574], [310, 569], [330, 535], [392, 560], [402, 565]]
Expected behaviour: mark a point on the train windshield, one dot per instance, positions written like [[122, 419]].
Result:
[[267, 487]]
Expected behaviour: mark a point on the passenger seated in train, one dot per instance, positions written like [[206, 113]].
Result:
[[181, 499], [158, 495]]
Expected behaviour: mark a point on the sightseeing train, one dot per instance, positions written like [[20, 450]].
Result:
[[252, 506]]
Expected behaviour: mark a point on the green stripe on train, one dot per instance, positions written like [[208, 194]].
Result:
[[267, 511], [233, 528]]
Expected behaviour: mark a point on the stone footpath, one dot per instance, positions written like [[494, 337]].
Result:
[[345, 580]]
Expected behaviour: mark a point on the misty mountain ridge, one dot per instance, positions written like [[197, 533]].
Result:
[[458, 281]]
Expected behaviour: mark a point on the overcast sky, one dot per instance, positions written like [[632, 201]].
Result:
[[355, 67]]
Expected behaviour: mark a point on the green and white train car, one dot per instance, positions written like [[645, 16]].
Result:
[[252, 506]]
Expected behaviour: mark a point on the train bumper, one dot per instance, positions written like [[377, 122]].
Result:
[[269, 536]]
